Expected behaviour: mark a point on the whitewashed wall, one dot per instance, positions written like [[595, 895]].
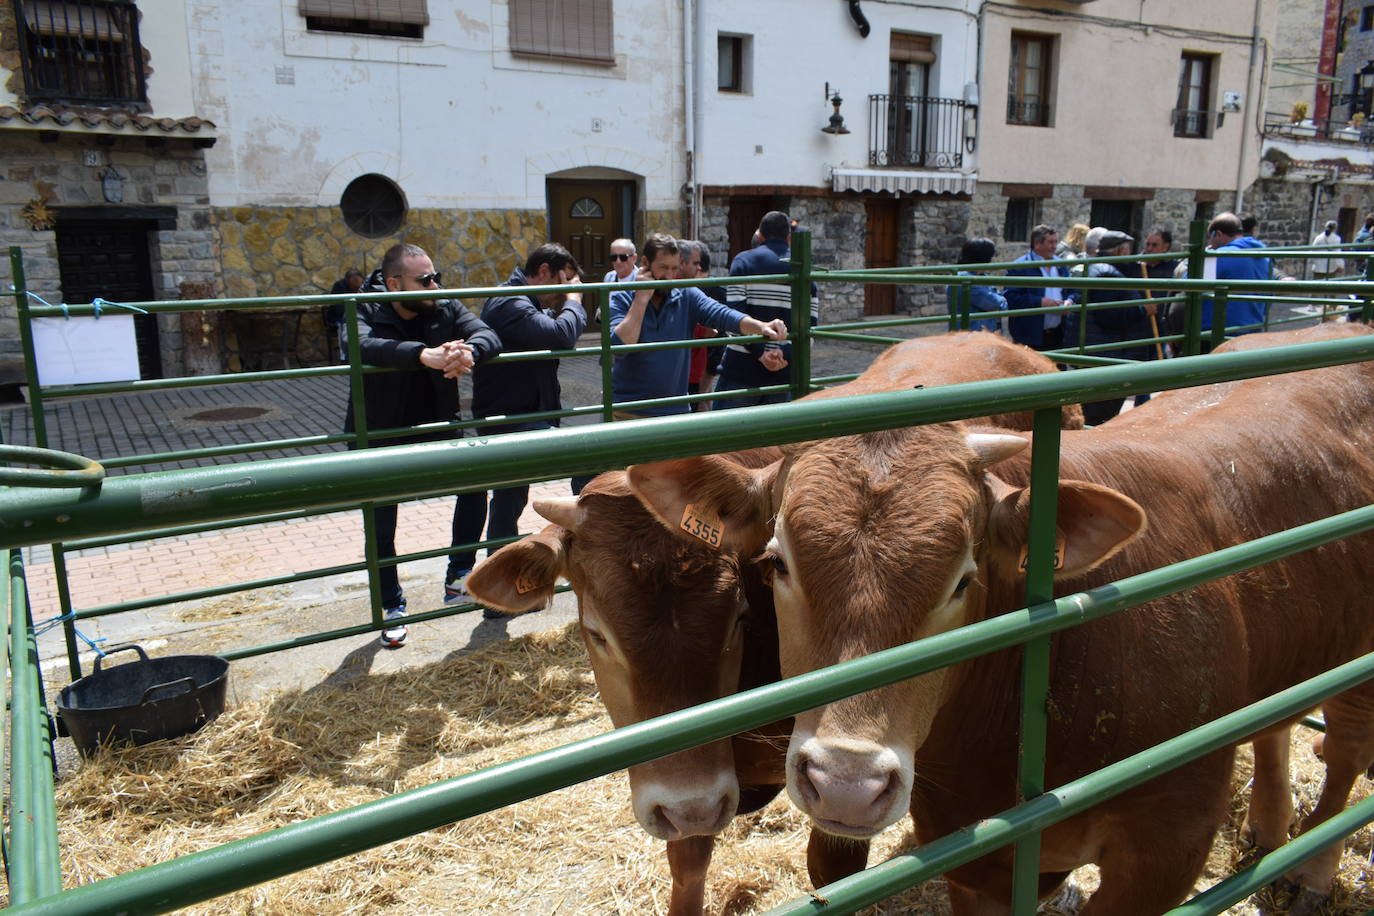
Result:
[[454, 118], [772, 135]]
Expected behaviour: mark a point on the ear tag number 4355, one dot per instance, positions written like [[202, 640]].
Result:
[[702, 525], [1058, 553]]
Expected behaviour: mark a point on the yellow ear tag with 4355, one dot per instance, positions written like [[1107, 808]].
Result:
[[701, 524]]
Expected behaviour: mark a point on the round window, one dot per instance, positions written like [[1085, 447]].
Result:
[[373, 205]]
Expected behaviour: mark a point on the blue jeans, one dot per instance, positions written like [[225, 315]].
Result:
[[729, 383], [501, 517]]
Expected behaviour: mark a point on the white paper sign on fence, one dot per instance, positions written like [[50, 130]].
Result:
[[74, 351]]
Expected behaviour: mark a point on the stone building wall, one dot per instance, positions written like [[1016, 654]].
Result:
[[55, 175], [285, 251], [931, 232]]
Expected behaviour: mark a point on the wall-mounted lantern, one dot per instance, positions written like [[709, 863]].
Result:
[[836, 125]]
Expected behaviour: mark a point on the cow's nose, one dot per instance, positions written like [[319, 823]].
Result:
[[845, 796], [676, 821]]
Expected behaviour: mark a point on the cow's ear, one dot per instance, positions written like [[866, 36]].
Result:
[[522, 575], [710, 500], [1093, 522]]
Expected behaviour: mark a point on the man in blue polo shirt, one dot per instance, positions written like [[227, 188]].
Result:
[[650, 316]]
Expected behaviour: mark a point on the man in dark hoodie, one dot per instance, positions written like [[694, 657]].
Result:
[[524, 321], [432, 342]]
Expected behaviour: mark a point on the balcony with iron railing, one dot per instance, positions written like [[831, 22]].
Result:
[[916, 132], [1328, 130]]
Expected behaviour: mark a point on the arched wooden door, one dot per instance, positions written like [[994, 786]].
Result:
[[585, 217]]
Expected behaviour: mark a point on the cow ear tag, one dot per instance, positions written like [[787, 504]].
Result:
[[524, 585], [1059, 545], [701, 524]]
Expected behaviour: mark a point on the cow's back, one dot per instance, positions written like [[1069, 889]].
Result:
[[1216, 466], [954, 359]]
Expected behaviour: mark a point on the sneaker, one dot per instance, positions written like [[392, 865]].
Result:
[[394, 637], [456, 589]]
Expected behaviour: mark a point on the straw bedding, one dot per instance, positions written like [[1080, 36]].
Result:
[[298, 754]]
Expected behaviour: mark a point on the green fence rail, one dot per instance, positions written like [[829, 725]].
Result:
[[130, 506]]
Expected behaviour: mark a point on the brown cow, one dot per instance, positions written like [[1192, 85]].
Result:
[[885, 538], [670, 624]]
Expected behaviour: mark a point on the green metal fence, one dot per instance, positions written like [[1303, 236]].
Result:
[[128, 506]]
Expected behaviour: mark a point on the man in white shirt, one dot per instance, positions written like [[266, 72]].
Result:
[[1326, 268]]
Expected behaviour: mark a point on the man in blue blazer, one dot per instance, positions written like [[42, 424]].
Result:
[[1040, 332]]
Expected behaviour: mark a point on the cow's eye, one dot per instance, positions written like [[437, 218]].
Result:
[[963, 584], [779, 564], [595, 636]]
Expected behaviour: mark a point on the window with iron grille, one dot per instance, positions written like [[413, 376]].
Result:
[[1022, 214], [81, 51], [1029, 79], [578, 29], [388, 18], [1192, 115]]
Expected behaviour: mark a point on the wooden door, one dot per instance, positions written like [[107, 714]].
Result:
[[881, 236], [743, 220], [110, 259], [585, 217]]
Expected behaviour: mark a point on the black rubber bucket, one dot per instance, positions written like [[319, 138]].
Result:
[[142, 701]]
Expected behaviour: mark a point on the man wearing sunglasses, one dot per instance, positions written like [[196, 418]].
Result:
[[622, 259], [523, 321], [432, 342]]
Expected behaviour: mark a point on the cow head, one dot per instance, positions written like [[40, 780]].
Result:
[[665, 622], [879, 540]]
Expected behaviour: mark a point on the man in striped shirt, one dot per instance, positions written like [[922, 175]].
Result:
[[759, 364]]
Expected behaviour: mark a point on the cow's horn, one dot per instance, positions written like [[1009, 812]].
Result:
[[563, 511], [991, 448]]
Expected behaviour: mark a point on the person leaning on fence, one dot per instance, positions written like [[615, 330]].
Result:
[[351, 282], [1039, 332], [432, 342], [1114, 325], [1224, 233], [523, 321], [981, 299], [650, 316], [1327, 268], [758, 365]]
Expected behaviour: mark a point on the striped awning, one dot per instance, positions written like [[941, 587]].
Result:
[[898, 181]]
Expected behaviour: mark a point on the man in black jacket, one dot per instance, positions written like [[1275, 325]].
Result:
[[523, 321], [433, 342]]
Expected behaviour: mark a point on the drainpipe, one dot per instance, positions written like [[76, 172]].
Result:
[[689, 78], [1251, 89]]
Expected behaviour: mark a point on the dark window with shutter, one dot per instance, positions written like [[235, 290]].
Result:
[[83, 51], [567, 29], [388, 18]]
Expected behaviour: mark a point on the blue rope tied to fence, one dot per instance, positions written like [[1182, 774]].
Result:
[[97, 304], [44, 626]]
